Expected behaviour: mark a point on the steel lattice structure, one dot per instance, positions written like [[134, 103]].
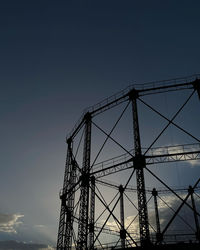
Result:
[[79, 225]]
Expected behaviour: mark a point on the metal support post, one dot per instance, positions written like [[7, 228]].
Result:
[[191, 191], [122, 231], [84, 194], [92, 213], [159, 237], [70, 208], [64, 222], [140, 164]]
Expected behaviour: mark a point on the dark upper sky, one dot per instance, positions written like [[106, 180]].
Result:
[[58, 57]]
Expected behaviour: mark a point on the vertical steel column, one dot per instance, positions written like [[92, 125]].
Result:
[[191, 191], [63, 197], [61, 229], [122, 231], [158, 233], [92, 212], [139, 164], [84, 194], [70, 208]]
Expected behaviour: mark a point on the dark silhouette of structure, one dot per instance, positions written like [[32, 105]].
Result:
[[78, 225]]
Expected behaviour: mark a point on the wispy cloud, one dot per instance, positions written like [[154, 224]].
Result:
[[7, 245], [184, 222], [192, 158], [9, 222], [194, 163]]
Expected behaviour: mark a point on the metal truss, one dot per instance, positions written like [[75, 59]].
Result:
[[79, 227], [187, 152]]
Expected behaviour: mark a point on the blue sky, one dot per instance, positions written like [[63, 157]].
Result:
[[58, 57]]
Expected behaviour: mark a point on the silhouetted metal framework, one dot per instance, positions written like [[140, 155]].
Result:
[[78, 227]]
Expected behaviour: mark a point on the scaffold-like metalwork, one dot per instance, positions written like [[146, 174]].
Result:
[[88, 218]]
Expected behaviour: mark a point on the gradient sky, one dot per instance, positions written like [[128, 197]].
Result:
[[58, 57]]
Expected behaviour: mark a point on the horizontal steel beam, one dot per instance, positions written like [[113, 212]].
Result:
[[185, 156], [150, 159]]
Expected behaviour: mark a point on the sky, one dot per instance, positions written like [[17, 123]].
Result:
[[59, 57]]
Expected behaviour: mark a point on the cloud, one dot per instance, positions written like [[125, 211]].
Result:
[[46, 232], [14, 245], [177, 227], [13, 228], [192, 158], [9, 222], [194, 163], [186, 213]]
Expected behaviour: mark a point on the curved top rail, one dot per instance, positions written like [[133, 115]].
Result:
[[143, 89]]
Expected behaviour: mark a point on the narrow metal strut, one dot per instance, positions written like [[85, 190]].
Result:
[[158, 231], [191, 192], [92, 214], [122, 231]]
